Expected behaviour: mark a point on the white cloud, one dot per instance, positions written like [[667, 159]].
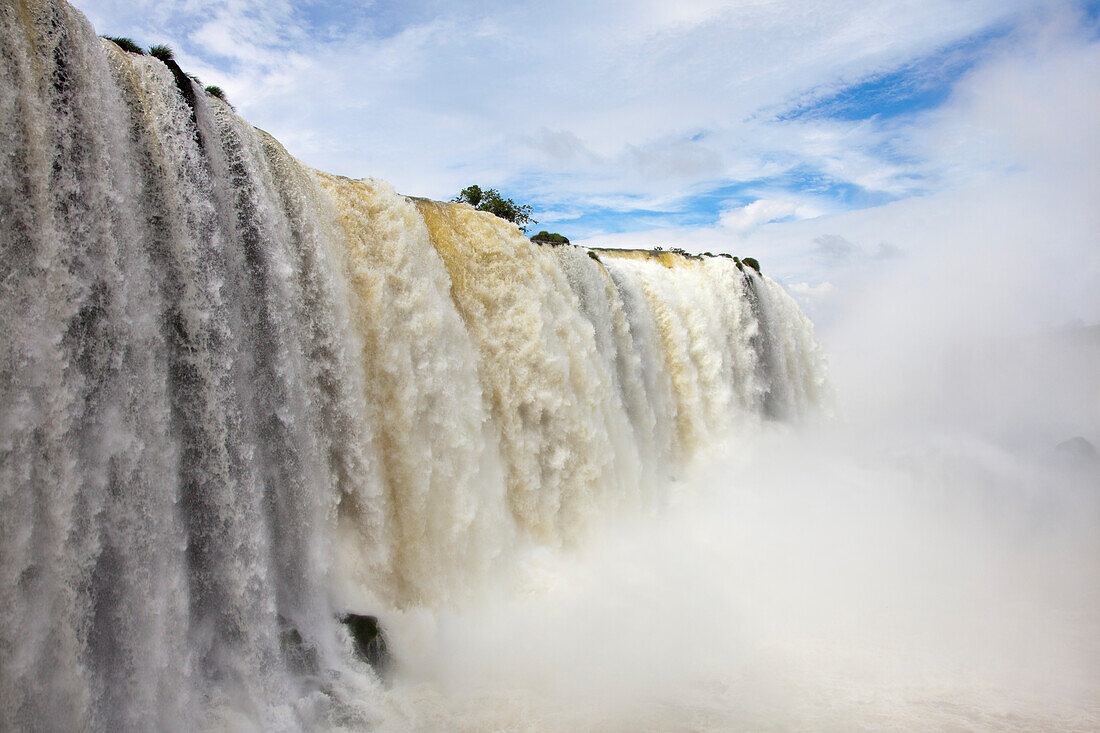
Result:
[[764, 211], [1008, 244], [652, 99], [806, 291]]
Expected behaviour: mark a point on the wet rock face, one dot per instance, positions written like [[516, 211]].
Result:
[[370, 643]]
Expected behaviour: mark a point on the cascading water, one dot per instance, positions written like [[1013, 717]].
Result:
[[241, 397]]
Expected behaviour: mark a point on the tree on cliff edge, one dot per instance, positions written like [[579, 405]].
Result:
[[494, 203]]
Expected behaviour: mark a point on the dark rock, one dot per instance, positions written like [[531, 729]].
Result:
[[301, 657], [1077, 452], [370, 643], [183, 83]]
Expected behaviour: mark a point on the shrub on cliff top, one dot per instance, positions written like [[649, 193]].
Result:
[[552, 237], [491, 201]]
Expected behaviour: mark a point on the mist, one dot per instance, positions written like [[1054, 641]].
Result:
[[925, 557]]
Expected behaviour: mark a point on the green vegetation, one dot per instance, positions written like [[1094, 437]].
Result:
[[216, 91], [126, 44], [494, 203], [162, 52], [551, 237], [594, 256], [751, 262]]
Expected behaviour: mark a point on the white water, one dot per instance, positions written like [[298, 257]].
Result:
[[242, 397]]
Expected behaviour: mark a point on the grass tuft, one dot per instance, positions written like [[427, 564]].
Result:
[[162, 52]]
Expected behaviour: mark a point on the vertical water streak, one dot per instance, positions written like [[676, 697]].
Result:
[[629, 276], [344, 469], [738, 327], [550, 395], [602, 305], [791, 361], [444, 495], [90, 471], [263, 564]]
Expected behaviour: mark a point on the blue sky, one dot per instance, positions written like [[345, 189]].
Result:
[[761, 124]]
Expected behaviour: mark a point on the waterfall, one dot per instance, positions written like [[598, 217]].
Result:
[[242, 396]]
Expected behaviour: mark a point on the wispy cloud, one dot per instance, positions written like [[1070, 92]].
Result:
[[765, 211], [710, 123], [620, 78]]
